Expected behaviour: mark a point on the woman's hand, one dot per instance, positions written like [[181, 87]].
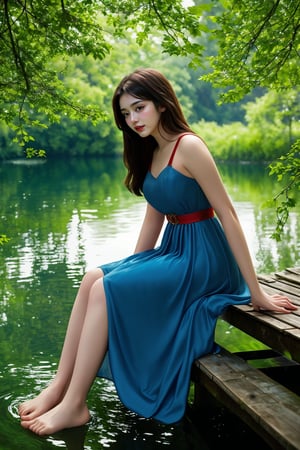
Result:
[[276, 303]]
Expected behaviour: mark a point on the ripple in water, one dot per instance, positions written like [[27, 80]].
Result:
[[111, 425]]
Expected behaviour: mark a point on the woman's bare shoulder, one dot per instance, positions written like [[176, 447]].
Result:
[[193, 145]]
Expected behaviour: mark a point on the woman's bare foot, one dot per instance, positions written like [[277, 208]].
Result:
[[60, 417], [45, 401]]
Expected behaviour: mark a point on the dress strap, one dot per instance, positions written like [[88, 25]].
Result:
[[175, 148]]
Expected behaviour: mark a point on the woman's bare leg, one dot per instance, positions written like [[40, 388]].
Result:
[[54, 393], [72, 411]]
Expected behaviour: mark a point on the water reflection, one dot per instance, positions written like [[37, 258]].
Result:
[[138, 435], [63, 217], [111, 425]]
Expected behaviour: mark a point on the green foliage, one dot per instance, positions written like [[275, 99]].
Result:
[[37, 39], [226, 142], [275, 117], [3, 239], [258, 45], [97, 80], [286, 168], [32, 36], [271, 125], [177, 24]]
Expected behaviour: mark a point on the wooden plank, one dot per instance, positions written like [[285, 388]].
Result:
[[266, 278], [267, 354], [278, 331], [276, 287], [268, 408], [287, 281], [291, 275], [292, 292], [271, 331], [277, 324], [294, 270], [288, 277], [278, 321]]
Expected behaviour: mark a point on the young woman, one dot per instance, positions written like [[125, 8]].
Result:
[[147, 317]]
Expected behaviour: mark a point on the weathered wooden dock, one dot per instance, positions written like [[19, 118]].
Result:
[[266, 398]]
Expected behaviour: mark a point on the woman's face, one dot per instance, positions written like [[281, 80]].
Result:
[[142, 116]]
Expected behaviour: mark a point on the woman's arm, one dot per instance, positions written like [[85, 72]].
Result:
[[150, 230], [198, 162]]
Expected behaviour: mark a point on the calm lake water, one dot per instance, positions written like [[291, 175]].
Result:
[[66, 216]]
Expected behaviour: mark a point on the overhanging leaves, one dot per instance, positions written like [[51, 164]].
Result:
[[36, 36], [259, 45]]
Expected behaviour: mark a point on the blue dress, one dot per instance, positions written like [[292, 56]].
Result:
[[163, 304]]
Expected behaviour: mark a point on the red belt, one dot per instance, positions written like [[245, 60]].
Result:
[[183, 219]]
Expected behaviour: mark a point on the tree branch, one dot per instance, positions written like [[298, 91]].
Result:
[[15, 49]]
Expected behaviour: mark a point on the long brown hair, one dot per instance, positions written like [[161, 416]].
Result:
[[146, 84]]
